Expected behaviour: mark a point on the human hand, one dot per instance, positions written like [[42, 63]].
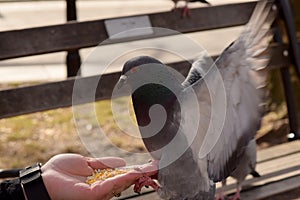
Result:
[[64, 176]]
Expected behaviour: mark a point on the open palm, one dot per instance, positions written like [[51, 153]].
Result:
[[64, 176]]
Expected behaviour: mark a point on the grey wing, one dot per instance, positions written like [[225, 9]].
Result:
[[231, 112], [203, 93], [243, 68], [198, 70]]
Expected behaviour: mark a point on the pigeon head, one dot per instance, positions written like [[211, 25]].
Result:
[[139, 61], [153, 88], [139, 71], [147, 71]]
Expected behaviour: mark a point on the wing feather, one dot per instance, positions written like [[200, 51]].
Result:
[[242, 66], [244, 85]]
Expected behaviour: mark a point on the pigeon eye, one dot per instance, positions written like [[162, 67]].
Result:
[[133, 70]]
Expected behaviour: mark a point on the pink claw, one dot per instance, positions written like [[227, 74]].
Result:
[[144, 181], [186, 12], [237, 196], [221, 197]]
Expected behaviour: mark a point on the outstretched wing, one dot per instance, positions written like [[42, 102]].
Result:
[[232, 108]]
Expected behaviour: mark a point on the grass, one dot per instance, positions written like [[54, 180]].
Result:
[[36, 137], [31, 138], [121, 138]]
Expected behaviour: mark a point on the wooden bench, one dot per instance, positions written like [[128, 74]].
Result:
[[72, 36], [279, 167]]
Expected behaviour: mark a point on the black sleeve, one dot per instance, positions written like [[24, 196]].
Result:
[[11, 190]]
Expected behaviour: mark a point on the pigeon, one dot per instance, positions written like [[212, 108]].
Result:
[[246, 166], [198, 128], [185, 9]]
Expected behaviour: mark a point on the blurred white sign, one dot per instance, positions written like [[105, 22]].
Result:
[[128, 27]]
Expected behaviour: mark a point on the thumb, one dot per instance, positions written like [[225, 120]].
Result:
[[106, 162]]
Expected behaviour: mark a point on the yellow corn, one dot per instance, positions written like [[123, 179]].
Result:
[[103, 174]]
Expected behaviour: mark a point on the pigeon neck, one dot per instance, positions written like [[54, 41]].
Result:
[[147, 96], [143, 99]]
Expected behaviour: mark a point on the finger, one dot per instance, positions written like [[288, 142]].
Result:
[[74, 164], [115, 185], [106, 162], [149, 169], [123, 181], [119, 183]]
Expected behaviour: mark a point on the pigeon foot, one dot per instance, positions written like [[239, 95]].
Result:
[[221, 196], [145, 181], [186, 12], [237, 196]]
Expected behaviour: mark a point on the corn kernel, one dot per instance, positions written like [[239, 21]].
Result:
[[103, 174]]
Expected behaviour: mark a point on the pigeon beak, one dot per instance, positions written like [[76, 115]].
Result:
[[122, 81]]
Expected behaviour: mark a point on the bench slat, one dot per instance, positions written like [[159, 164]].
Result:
[[76, 35], [272, 188], [54, 95], [272, 182]]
